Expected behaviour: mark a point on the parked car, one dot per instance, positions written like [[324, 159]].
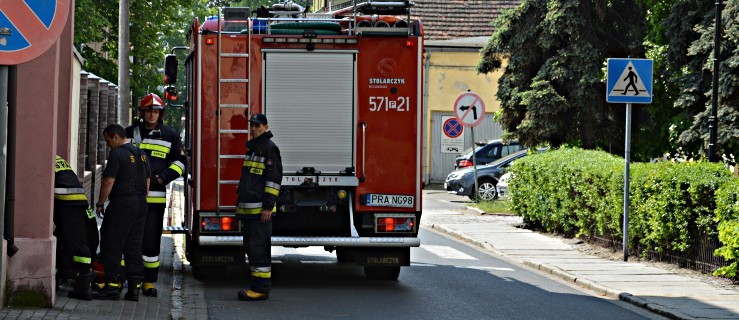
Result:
[[486, 153], [502, 187], [461, 181]]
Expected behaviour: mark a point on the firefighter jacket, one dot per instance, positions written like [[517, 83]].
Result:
[[261, 176], [166, 156], [68, 190]]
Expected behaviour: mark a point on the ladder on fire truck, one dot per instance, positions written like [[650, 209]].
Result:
[[231, 14]]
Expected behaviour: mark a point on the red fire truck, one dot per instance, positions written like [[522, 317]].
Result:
[[343, 94]]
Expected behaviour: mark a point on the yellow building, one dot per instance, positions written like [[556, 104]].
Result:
[[450, 70]]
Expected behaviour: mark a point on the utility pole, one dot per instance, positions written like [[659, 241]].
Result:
[[124, 48], [713, 119]]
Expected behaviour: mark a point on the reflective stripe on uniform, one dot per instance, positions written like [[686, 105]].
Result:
[[262, 272], [151, 262], [177, 166], [156, 197], [272, 188], [70, 194], [249, 208], [156, 145], [85, 260], [256, 158], [70, 197], [254, 164]]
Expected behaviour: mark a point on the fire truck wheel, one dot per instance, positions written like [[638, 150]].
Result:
[[382, 273], [344, 256]]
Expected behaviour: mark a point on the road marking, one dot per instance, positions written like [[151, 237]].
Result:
[[314, 251], [446, 252], [489, 268], [416, 264]]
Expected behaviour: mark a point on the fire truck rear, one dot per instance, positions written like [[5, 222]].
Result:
[[343, 94]]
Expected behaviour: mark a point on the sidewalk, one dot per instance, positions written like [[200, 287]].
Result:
[[658, 290]]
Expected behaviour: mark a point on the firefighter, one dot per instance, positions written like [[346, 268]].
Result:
[[126, 182], [72, 214], [167, 161], [258, 188]]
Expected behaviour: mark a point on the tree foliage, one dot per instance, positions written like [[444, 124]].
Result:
[[151, 21], [553, 52], [552, 89], [691, 30]]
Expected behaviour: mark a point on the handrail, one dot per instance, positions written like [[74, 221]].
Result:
[[364, 150]]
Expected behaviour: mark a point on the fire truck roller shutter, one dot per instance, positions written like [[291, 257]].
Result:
[[309, 100]]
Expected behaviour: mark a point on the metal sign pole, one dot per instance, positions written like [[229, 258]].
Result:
[[474, 164], [627, 154]]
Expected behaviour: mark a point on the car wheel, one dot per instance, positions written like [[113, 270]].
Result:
[[487, 191]]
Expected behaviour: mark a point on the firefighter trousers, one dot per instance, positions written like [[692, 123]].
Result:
[[152, 241], [258, 246], [73, 253], [121, 234]]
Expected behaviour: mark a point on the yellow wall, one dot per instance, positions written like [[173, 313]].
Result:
[[453, 73], [449, 75]]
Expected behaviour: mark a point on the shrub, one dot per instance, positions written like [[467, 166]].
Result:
[[727, 217]]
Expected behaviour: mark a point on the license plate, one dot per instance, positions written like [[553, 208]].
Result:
[[390, 200]]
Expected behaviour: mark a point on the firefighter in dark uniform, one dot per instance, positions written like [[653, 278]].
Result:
[[72, 214], [167, 161], [259, 186], [126, 182]]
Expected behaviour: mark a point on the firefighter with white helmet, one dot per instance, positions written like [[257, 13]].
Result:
[[167, 161]]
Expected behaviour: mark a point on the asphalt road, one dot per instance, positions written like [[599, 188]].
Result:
[[447, 280]]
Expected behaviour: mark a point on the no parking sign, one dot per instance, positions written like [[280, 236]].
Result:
[[452, 137]]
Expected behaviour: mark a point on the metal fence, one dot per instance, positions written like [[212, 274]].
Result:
[[698, 257]]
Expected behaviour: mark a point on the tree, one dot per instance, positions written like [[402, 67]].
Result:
[[691, 28], [552, 88]]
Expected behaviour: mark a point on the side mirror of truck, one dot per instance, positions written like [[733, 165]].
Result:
[[170, 69]]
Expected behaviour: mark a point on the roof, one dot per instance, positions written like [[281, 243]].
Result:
[[449, 19]]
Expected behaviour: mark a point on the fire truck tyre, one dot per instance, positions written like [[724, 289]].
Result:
[[206, 272], [382, 273], [344, 256]]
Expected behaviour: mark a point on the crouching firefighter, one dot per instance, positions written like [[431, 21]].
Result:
[[72, 213], [167, 161]]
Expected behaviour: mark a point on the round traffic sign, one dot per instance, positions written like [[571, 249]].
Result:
[[29, 28], [469, 109], [452, 128]]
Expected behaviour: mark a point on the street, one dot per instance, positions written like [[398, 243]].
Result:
[[447, 280]]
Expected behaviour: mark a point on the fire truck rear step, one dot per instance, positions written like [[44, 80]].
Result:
[[317, 241], [234, 105], [235, 55]]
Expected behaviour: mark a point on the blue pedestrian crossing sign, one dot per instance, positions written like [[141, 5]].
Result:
[[629, 81]]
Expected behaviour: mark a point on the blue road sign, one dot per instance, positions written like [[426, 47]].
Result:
[[629, 81], [452, 128]]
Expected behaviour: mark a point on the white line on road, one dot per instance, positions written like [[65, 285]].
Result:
[[446, 252]]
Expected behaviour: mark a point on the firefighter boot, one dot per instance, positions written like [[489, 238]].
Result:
[[134, 285], [252, 295], [109, 292], [82, 289], [149, 289]]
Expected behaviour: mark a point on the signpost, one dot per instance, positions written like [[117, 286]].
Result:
[[628, 81], [470, 110]]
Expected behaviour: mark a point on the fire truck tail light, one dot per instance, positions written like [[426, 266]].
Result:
[[341, 194], [226, 223], [395, 223], [409, 43], [222, 223], [210, 41]]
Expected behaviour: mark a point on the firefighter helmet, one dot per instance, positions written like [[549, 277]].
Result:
[[151, 101]]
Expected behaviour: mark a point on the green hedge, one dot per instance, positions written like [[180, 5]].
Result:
[[727, 217], [672, 205]]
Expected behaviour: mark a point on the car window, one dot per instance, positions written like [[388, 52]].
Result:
[[493, 152], [506, 150]]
